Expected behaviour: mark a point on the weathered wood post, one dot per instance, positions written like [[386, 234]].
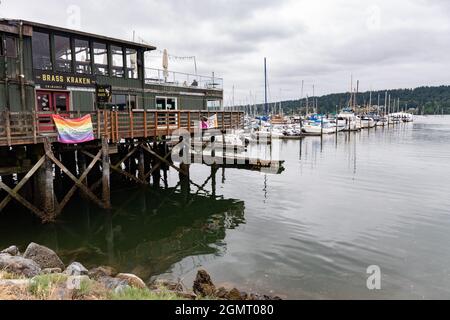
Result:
[[185, 183], [106, 168], [156, 166], [45, 178], [81, 160], [141, 164]]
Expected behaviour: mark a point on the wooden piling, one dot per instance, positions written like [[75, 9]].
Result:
[[106, 186], [141, 164], [45, 176]]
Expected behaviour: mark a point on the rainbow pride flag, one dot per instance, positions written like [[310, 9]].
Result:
[[74, 131]]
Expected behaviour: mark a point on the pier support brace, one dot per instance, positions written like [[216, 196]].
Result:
[[106, 186]]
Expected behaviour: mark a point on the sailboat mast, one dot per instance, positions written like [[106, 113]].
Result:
[[301, 98], [351, 92], [307, 105], [356, 93], [378, 104], [265, 86]]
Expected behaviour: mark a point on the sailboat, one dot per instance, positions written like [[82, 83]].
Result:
[[348, 120], [319, 125]]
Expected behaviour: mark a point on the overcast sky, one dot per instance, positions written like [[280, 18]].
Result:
[[383, 43]]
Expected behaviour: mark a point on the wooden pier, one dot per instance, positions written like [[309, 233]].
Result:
[[43, 175]]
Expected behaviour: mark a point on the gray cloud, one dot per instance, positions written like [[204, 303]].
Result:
[[386, 44]]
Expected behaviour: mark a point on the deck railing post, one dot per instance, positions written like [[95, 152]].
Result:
[[116, 118], [98, 125], [131, 125], [156, 123], [189, 121], [168, 123], [145, 124], [223, 120]]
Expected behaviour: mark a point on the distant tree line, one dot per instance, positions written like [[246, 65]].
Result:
[[422, 100]]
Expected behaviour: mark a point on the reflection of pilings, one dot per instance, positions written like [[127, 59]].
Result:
[[141, 164], [109, 237], [185, 180], [214, 170]]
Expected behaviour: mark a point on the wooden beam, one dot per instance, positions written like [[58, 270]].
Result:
[[23, 201], [163, 159], [117, 169], [22, 182], [158, 165], [106, 173], [74, 188], [74, 179]]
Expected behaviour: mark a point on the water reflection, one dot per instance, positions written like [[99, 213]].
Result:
[[149, 231]]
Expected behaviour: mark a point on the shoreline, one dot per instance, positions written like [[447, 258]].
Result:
[[39, 274]]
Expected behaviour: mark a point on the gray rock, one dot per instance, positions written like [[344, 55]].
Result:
[[43, 256], [19, 266], [51, 271], [22, 284], [13, 251], [74, 282], [101, 272], [132, 280], [76, 269], [61, 293], [112, 283], [121, 288]]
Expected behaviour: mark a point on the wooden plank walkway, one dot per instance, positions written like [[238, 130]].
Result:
[[23, 128]]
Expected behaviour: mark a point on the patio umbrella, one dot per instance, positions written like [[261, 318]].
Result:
[[166, 64]]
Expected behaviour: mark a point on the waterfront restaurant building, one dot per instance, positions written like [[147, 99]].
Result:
[[52, 69]]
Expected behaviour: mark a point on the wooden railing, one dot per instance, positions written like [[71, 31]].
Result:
[[19, 128]]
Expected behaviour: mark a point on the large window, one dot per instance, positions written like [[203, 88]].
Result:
[[214, 104], [117, 61], [41, 51], [100, 59], [124, 102], [119, 102], [165, 103], [132, 64], [63, 54], [82, 57]]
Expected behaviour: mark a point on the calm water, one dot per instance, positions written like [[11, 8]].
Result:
[[372, 198]]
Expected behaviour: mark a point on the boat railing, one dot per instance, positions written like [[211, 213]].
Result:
[[180, 79]]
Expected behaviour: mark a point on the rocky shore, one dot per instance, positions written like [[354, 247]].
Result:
[[39, 274]]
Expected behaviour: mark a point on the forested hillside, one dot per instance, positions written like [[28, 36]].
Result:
[[427, 100]]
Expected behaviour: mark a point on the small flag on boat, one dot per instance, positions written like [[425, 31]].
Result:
[[74, 131], [213, 122]]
